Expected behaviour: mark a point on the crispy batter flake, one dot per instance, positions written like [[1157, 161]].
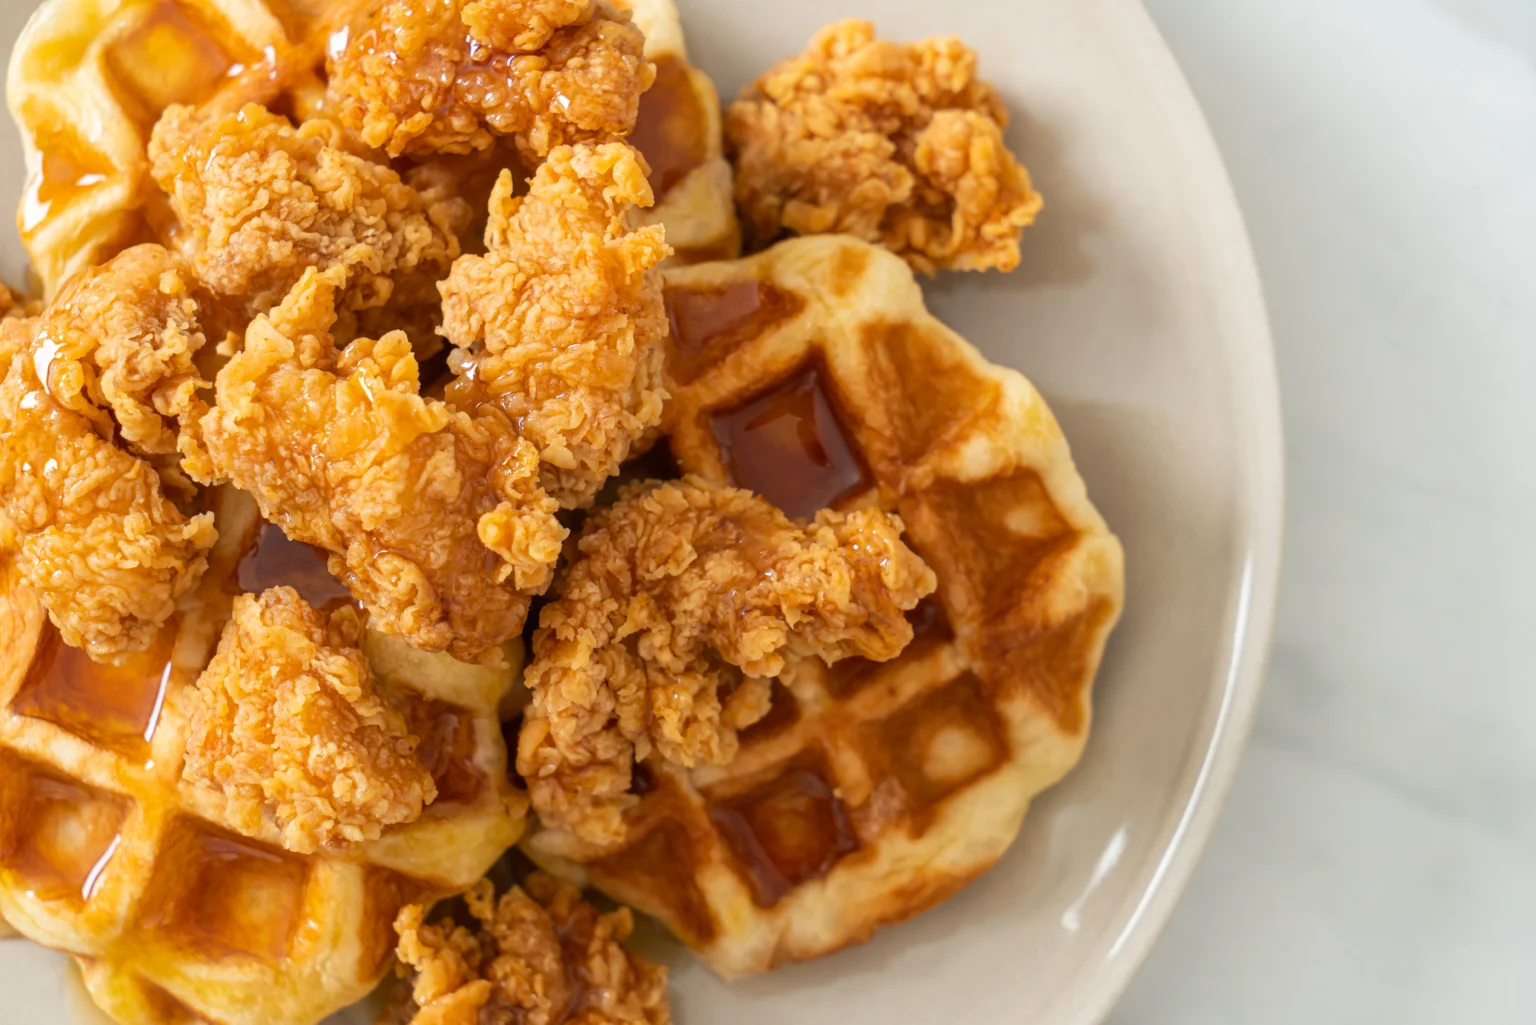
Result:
[[897, 143], [288, 727], [541, 956], [560, 325], [671, 622]]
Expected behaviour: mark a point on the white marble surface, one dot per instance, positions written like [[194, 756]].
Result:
[[1377, 862]]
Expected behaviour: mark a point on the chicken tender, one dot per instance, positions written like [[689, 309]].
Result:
[[289, 729], [899, 144], [260, 202], [88, 522], [434, 520], [450, 76], [673, 618], [119, 343], [561, 324], [542, 956]]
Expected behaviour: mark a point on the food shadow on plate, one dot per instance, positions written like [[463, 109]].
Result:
[[1053, 250]]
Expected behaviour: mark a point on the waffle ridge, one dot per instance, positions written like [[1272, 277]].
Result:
[[85, 115], [173, 916], [870, 791]]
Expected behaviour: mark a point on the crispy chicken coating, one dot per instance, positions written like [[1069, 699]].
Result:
[[288, 728], [260, 202], [670, 623], [435, 520], [897, 143], [120, 341], [418, 77], [542, 956], [15, 305], [88, 522], [562, 320]]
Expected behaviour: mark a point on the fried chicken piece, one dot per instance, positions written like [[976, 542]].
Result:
[[119, 342], [671, 622], [288, 728], [435, 520], [562, 320], [14, 305], [542, 956], [897, 143], [88, 523], [419, 77], [261, 201]]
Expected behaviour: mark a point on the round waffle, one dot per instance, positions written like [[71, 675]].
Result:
[[173, 916], [89, 79], [679, 132], [812, 374]]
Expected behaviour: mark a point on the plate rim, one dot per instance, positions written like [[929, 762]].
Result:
[[1260, 536]]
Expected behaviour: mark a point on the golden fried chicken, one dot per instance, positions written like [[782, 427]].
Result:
[[897, 143], [419, 77], [288, 728], [89, 523], [670, 623], [562, 320], [260, 201], [14, 305], [542, 956], [120, 340], [434, 519]]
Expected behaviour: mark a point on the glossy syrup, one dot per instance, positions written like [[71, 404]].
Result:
[[275, 561], [789, 445], [785, 833], [171, 56], [58, 836], [115, 706], [707, 323], [447, 735], [69, 168], [222, 895], [671, 126]]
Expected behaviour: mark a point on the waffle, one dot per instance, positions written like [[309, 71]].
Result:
[[812, 374], [679, 132], [89, 78], [172, 915]]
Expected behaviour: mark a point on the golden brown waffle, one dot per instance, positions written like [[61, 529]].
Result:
[[812, 374], [173, 916], [679, 132], [89, 78]]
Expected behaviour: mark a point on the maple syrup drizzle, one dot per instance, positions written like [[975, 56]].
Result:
[[60, 835], [447, 735], [67, 170], [169, 57], [785, 833], [670, 128], [789, 445], [116, 706], [707, 323], [275, 560], [224, 895]]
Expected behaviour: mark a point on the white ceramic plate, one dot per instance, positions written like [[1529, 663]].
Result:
[[1137, 312]]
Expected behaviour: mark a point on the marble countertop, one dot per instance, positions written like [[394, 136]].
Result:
[[1377, 861]]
